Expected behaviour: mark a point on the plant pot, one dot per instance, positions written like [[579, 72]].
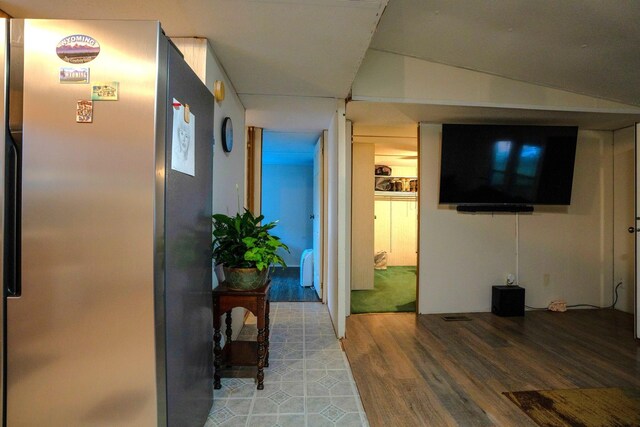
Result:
[[244, 279], [219, 271]]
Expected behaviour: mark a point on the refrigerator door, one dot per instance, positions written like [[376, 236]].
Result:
[[189, 330], [81, 336]]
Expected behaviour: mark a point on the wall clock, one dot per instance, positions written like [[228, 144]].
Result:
[[227, 135]]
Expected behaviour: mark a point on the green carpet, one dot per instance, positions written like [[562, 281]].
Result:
[[394, 290]]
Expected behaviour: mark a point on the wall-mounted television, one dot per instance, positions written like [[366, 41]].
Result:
[[507, 164]]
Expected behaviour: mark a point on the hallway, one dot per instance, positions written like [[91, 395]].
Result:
[[285, 286], [308, 381]]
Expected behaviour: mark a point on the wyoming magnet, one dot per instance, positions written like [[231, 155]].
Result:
[[78, 49]]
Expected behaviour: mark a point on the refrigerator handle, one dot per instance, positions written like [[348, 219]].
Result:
[[12, 249], [13, 162]]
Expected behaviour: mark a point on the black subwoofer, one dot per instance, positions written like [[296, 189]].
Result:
[[507, 300]]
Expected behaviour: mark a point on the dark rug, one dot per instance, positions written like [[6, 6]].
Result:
[[584, 407]]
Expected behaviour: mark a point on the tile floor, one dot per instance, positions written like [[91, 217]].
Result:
[[308, 381]]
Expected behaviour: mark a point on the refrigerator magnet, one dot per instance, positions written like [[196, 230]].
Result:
[[78, 49], [74, 75], [84, 111], [183, 140], [104, 91]]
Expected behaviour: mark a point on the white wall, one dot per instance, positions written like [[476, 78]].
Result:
[[338, 155], [345, 139], [229, 177], [568, 252], [565, 252], [623, 216], [408, 171], [228, 168], [331, 278], [287, 196], [392, 77]]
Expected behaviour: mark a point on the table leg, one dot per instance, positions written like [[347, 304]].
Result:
[[217, 351], [266, 338], [260, 375], [228, 331], [228, 322]]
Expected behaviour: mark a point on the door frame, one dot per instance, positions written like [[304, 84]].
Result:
[[318, 197], [350, 218], [254, 192], [254, 170]]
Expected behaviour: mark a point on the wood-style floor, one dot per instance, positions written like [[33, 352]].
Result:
[[423, 371], [285, 286]]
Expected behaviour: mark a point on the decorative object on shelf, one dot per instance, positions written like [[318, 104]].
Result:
[[218, 90], [383, 184], [392, 184], [383, 170], [246, 249], [227, 135]]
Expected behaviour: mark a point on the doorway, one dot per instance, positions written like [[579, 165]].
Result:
[[291, 193], [384, 219]]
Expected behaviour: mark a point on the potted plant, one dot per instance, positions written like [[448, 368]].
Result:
[[246, 249]]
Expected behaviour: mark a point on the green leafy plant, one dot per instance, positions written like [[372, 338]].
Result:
[[240, 241]]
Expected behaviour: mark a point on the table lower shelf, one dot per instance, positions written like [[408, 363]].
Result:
[[240, 353]]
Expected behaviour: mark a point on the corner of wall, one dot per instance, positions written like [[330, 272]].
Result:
[[229, 169]]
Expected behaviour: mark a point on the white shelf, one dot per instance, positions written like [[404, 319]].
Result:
[[403, 194]]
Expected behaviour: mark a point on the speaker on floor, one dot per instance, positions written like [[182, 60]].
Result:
[[507, 301]]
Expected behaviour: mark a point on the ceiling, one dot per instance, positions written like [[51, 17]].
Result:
[[289, 148], [290, 59], [292, 55], [588, 47]]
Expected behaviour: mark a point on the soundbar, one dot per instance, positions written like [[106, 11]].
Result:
[[494, 208]]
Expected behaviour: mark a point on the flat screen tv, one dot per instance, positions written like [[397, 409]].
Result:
[[507, 165]]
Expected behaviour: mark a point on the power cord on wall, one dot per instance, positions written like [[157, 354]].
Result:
[[615, 301]]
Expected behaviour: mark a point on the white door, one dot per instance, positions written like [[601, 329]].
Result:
[[318, 176]]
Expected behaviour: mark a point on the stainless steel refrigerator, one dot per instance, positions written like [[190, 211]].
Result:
[[106, 311]]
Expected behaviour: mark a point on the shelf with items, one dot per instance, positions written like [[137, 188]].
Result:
[[396, 184]]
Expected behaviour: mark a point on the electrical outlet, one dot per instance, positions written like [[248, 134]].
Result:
[[546, 279]]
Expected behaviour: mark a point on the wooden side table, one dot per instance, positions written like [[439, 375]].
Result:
[[241, 353]]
